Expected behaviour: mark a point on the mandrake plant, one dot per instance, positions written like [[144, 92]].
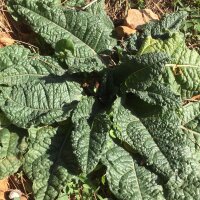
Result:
[[135, 126]]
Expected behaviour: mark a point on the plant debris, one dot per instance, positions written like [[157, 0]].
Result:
[[5, 39]]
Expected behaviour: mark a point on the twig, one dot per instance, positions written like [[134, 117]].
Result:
[[187, 129], [181, 66], [33, 47], [191, 100], [158, 7], [10, 178], [92, 2]]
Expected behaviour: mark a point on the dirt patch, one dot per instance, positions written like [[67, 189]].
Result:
[[160, 7], [15, 184], [117, 9]]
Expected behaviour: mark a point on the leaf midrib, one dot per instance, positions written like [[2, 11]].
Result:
[[37, 109]]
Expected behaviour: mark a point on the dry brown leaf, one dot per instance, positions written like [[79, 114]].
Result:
[[123, 31], [23, 198], [3, 188], [5, 39], [196, 98], [177, 71], [136, 18]]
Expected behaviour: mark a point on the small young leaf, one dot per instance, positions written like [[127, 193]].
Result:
[[63, 45]]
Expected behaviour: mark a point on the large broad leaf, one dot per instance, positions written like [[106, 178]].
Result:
[[9, 153], [192, 130], [171, 22], [128, 180], [88, 137], [160, 141], [19, 66], [157, 94], [191, 126], [166, 130], [129, 129], [48, 161], [36, 103], [84, 35], [12, 55], [190, 111], [182, 73], [145, 69], [177, 188], [97, 9]]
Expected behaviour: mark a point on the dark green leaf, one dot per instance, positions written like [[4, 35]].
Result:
[[48, 161], [39, 103], [128, 180], [88, 138], [88, 32]]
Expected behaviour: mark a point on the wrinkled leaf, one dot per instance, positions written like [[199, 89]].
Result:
[[158, 94], [85, 30], [48, 161], [88, 138], [148, 68], [182, 72], [128, 180], [9, 153], [19, 66], [171, 22], [39, 103], [129, 129]]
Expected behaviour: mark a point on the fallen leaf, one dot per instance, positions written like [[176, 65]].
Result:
[[196, 98], [177, 71], [3, 188], [23, 198], [123, 31], [136, 18], [5, 39]]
